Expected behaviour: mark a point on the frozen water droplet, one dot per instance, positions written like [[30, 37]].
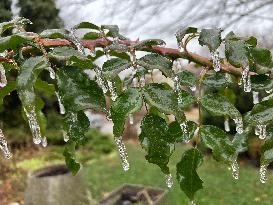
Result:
[[255, 97], [142, 81], [177, 89], [4, 146], [239, 125], [191, 203], [263, 170], [269, 91], [44, 142], [51, 73], [3, 79], [77, 41], [61, 106], [123, 153], [235, 169], [184, 128], [131, 119], [135, 82], [216, 60], [169, 180], [226, 123], [246, 79], [112, 90], [260, 130], [33, 124], [193, 88], [65, 136]]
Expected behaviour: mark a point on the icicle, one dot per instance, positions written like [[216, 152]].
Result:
[[169, 180], [61, 106], [239, 125], [4, 146], [3, 79], [131, 119], [246, 79], [263, 170], [112, 90], [269, 91], [226, 123], [193, 88], [142, 81], [260, 131], [77, 42], [65, 136], [235, 169], [267, 97], [34, 125], [177, 89], [216, 60], [100, 80], [255, 97], [51, 73], [44, 142], [191, 203], [135, 82], [123, 153]]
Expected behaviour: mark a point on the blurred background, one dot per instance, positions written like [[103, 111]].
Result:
[[101, 164]]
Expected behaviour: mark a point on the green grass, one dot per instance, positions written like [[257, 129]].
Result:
[[219, 187]]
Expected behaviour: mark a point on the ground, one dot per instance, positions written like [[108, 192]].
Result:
[[104, 173]]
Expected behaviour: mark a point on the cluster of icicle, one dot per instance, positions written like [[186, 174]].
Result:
[[4, 146]]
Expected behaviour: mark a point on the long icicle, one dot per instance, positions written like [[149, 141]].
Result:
[[263, 170], [169, 180], [123, 153], [61, 106], [4, 146], [216, 60], [3, 79], [246, 79]]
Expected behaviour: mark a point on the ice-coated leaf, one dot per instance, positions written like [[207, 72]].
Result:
[[175, 134], [78, 92], [14, 41], [252, 41], [218, 80], [187, 99], [156, 61], [187, 78], [65, 53], [11, 86], [70, 158], [262, 57], [236, 52], [186, 173], [261, 82], [86, 25], [180, 34], [91, 36], [11, 24], [114, 66], [163, 98], [153, 140], [219, 105], [113, 31], [129, 101], [148, 42], [218, 141], [210, 38], [54, 33], [44, 87]]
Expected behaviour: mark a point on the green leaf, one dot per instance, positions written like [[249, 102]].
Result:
[[240, 142], [91, 36], [65, 53], [252, 41], [236, 52], [113, 31], [262, 57], [54, 33], [86, 25], [219, 105], [148, 42], [163, 98], [70, 158], [210, 38], [129, 101], [78, 92], [14, 41], [175, 133], [76, 125], [218, 80], [187, 78], [11, 24], [180, 34], [187, 176], [45, 87], [153, 140], [114, 66], [79, 62], [188, 100], [261, 82], [267, 152], [156, 61], [218, 141], [11, 86]]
